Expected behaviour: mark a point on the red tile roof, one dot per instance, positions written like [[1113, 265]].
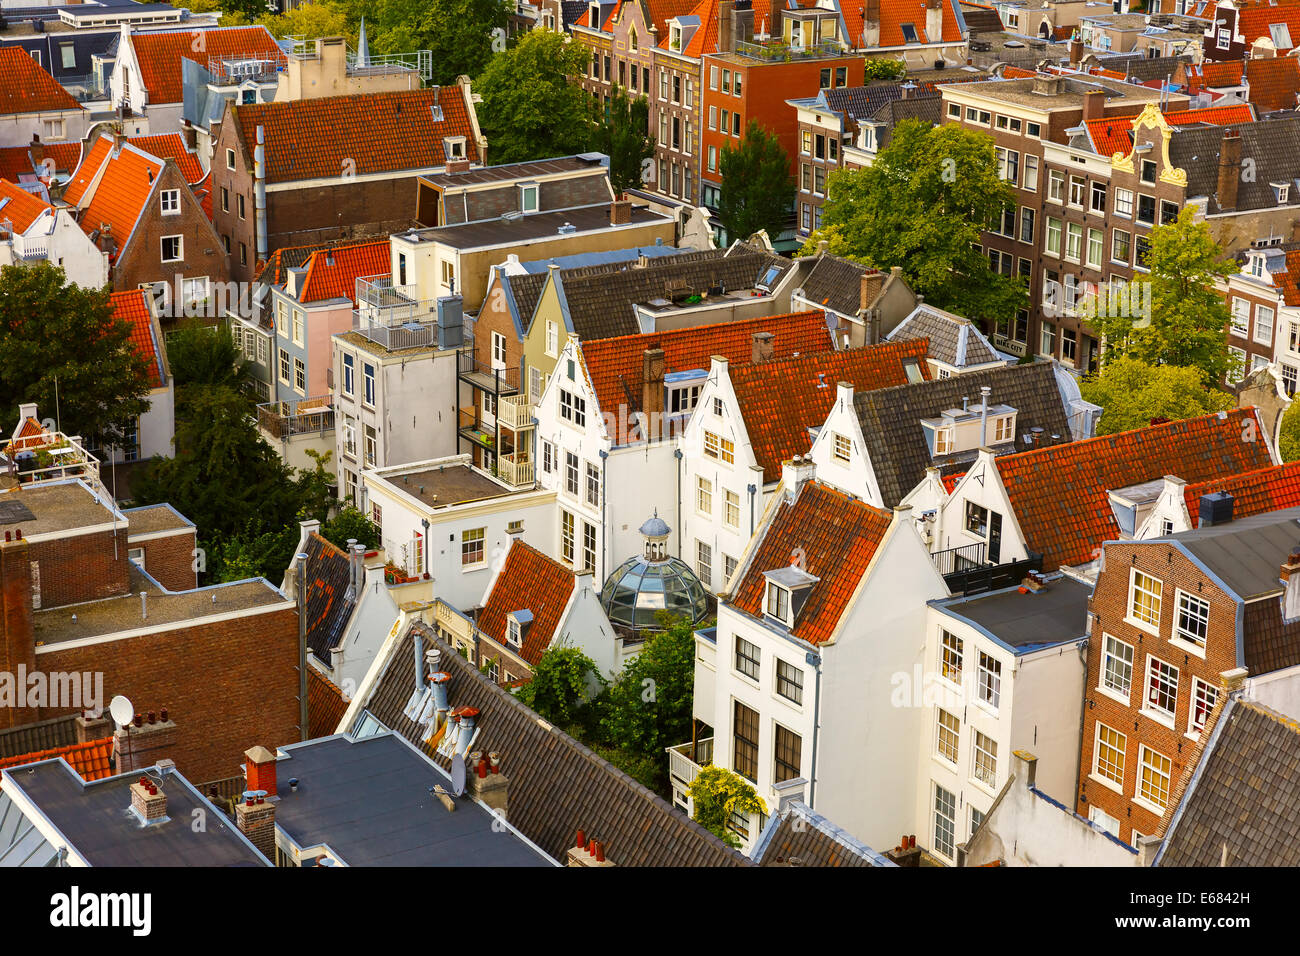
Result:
[[528, 581], [1289, 281], [172, 146], [334, 274], [17, 162], [1274, 82], [160, 54], [1060, 494], [1017, 73], [133, 305], [26, 88], [614, 366], [86, 171], [836, 536], [19, 206], [1254, 21], [129, 179], [893, 14], [89, 759], [950, 481], [366, 133], [781, 400], [1222, 72], [325, 704], [1253, 492], [1114, 134]]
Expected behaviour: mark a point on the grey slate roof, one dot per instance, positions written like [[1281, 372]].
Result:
[[402, 823], [797, 836], [891, 419], [867, 102], [1272, 142], [1145, 68], [836, 284], [329, 603], [954, 340], [1056, 614], [1246, 553], [557, 786], [1243, 805], [43, 735], [927, 109]]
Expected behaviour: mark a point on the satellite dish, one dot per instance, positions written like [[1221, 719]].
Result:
[[458, 775], [122, 710]]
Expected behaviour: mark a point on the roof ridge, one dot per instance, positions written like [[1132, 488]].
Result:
[[607, 343], [904, 346], [1290, 723]]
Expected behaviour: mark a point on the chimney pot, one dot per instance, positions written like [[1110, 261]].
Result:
[[581, 840]]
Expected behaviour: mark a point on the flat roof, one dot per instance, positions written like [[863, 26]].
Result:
[[150, 518], [50, 507], [447, 485], [478, 175], [368, 799], [528, 228], [1246, 553], [1025, 622], [1021, 91], [111, 615], [94, 818]]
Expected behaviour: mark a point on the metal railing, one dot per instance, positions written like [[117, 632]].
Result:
[[51, 456], [959, 559], [390, 315], [779, 50], [302, 416], [990, 577], [483, 375], [238, 68]]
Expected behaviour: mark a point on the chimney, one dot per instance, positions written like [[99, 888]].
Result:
[[457, 166], [873, 280], [259, 769], [1290, 578], [907, 853], [1024, 766], [148, 802], [1094, 104], [91, 728], [762, 347], [37, 151], [726, 26], [1229, 169], [118, 139], [145, 741], [587, 852], [1215, 508], [255, 817], [652, 389], [871, 13], [19, 635], [794, 473], [620, 212], [1076, 51], [488, 784]]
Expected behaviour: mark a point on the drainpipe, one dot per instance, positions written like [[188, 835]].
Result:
[[1083, 715], [259, 193], [604, 497], [302, 644], [677, 453], [985, 391], [815, 661], [753, 490], [424, 522]]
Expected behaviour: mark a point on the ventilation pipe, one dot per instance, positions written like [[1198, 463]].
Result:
[[985, 392], [259, 194]]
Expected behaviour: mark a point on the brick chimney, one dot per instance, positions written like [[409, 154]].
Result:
[[1229, 169], [726, 26], [1076, 51], [142, 743], [873, 280], [148, 802], [762, 347], [587, 852], [1094, 104], [620, 212], [907, 853], [19, 637], [1290, 578], [795, 473], [259, 770], [37, 151], [488, 784], [457, 166], [255, 817], [93, 728], [652, 389]]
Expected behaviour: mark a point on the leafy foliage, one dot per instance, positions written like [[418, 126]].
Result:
[[1289, 440], [622, 134], [459, 32], [922, 205], [530, 110], [757, 188], [206, 355], [1133, 392], [559, 684], [648, 707], [718, 793], [885, 70], [57, 338], [350, 523]]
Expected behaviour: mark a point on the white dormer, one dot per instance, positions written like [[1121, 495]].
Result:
[[517, 626], [962, 429], [786, 593]]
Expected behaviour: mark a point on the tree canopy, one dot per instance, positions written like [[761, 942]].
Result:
[[649, 706], [757, 188], [622, 133], [1288, 444], [559, 684], [459, 32], [717, 793], [884, 69], [1131, 392]]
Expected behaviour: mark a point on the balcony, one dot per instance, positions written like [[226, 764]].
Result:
[[305, 416], [517, 468], [682, 768], [966, 571], [485, 378], [515, 412], [50, 456], [237, 69], [775, 50], [392, 316]]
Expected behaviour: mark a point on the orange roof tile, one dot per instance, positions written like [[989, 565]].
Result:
[[895, 13], [172, 146], [85, 172], [836, 536], [160, 54], [129, 179], [90, 759], [1222, 72], [1254, 21], [133, 306], [950, 481], [1253, 492], [1114, 134], [26, 88], [325, 704], [1016, 73], [1274, 82], [781, 400], [614, 366], [330, 136], [19, 206], [17, 161], [333, 274], [1060, 494], [528, 581], [1289, 281]]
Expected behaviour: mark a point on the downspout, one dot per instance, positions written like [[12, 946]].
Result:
[[425, 524], [753, 490], [815, 661], [1083, 714], [677, 453], [259, 193], [985, 391], [604, 497], [302, 645]]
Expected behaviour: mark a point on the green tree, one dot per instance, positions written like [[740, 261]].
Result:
[[885, 70], [559, 684], [757, 188], [530, 110], [459, 32], [923, 205], [62, 347], [622, 133], [717, 793], [247, 10], [1132, 393], [264, 554], [1288, 445], [1186, 323], [649, 705], [350, 523], [206, 355]]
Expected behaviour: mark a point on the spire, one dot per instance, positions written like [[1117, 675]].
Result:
[[363, 48]]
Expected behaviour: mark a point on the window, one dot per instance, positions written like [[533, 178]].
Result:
[[1148, 171], [990, 680], [1055, 185], [593, 484], [977, 519], [728, 567], [730, 508], [717, 407], [1146, 211], [1204, 697], [448, 274], [170, 200], [566, 536], [1117, 666], [1053, 243], [1030, 180], [588, 547], [368, 381], [299, 376], [984, 763], [704, 495], [573, 408], [377, 515], [789, 681], [552, 339], [841, 448], [349, 371], [789, 747], [471, 546], [1008, 165], [1026, 224], [1162, 687], [747, 658], [1098, 198], [778, 602], [1144, 601], [239, 201], [172, 249], [1073, 241], [1108, 754], [745, 742], [284, 367], [230, 159], [976, 819], [950, 649], [1193, 619], [298, 323], [704, 561], [371, 439], [1264, 316], [722, 449], [1078, 188], [1168, 212], [945, 822], [1096, 242], [570, 472], [1154, 770], [1119, 246], [947, 735], [942, 441]]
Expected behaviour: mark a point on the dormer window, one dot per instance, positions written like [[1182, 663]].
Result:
[[787, 592], [517, 627], [1004, 429], [1256, 266], [778, 602], [675, 37], [943, 441], [593, 16], [528, 197], [1281, 191], [454, 147]]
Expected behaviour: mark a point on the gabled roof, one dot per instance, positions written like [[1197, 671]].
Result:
[[20, 207], [1274, 82], [1242, 807], [890, 419], [835, 534], [615, 366], [129, 179], [954, 340], [85, 172], [91, 759], [798, 836], [18, 161], [893, 15], [1288, 281], [363, 134], [1253, 492], [781, 400], [836, 284], [528, 581], [133, 306], [329, 603], [1061, 494], [1222, 72], [557, 785], [1255, 20], [26, 88], [172, 146], [333, 274], [1114, 134], [1273, 142], [325, 704], [866, 102], [159, 54]]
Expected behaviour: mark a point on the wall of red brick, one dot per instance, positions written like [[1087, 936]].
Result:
[[170, 560], [84, 567], [16, 621]]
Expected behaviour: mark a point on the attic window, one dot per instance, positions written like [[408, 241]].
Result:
[[1281, 191], [528, 197], [786, 593], [516, 625], [943, 441], [913, 369], [1256, 266], [454, 147], [675, 37], [1280, 35], [909, 33]]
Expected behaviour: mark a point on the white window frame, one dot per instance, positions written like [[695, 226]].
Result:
[[1107, 655], [1168, 676], [1202, 690], [942, 732], [1182, 637], [1096, 773], [180, 248], [169, 202], [1133, 589], [1139, 797]]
